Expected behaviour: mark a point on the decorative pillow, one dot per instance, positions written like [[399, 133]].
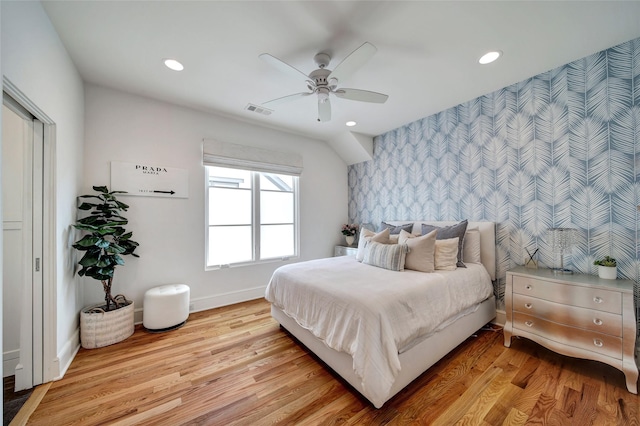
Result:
[[448, 232], [393, 239], [387, 256], [471, 246], [420, 256], [366, 236], [393, 229], [446, 256]]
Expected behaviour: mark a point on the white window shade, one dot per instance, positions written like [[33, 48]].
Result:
[[222, 154]]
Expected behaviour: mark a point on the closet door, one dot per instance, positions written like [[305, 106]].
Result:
[[22, 160], [16, 229]]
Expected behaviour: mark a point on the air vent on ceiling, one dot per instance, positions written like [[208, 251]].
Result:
[[258, 109]]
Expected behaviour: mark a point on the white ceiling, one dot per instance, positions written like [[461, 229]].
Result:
[[426, 60]]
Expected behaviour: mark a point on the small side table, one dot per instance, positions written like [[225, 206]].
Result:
[[345, 251]]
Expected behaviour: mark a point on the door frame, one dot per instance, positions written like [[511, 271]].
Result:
[[44, 325]]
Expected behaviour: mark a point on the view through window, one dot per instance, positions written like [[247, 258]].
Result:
[[251, 217]]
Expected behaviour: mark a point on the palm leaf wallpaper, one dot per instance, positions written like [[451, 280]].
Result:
[[561, 149]]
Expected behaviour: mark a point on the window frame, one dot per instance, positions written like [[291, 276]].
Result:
[[255, 218]]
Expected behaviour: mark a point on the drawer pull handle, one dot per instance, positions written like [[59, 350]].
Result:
[[598, 343], [597, 299], [597, 321], [528, 287], [528, 323], [528, 305]]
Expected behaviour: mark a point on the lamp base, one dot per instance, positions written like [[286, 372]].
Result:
[[562, 271]]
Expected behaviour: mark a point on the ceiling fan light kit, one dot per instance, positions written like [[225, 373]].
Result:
[[323, 82]]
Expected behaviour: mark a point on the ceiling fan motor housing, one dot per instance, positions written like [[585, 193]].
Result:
[[319, 76]]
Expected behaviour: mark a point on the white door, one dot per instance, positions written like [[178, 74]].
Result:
[[22, 148]]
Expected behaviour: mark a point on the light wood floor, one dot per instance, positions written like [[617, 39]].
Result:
[[235, 366]]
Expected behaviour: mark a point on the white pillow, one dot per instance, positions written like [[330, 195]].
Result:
[[421, 251], [366, 236], [471, 246], [446, 256], [387, 256]]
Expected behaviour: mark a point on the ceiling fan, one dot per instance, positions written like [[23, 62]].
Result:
[[324, 82]]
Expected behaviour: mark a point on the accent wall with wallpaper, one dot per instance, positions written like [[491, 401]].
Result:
[[561, 149]]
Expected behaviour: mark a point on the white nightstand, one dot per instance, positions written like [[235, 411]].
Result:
[[577, 315], [345, 251]]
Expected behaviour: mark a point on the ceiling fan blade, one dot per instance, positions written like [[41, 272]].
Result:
[[284, 67], [324, 110], [361, 95], [284, 99], [355, 60]]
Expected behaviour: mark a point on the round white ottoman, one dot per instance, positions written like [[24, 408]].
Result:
[[165, 307]]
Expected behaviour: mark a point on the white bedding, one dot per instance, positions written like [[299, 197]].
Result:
[[372, 313]]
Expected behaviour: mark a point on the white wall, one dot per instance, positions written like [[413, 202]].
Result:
[[35, 61], [127, 128]]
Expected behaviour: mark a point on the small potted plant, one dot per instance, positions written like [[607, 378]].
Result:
[[103, 244], [349, 231], [607, 268]]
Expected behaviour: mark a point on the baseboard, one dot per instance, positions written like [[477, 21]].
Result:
[[215, 301], [501, 318], [10, 361], [61, 364]]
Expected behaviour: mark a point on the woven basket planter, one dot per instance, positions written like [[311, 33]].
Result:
[[100, 328]]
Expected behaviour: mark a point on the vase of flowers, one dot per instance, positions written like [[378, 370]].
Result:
[[349, 231]]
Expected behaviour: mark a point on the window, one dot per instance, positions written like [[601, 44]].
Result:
[[251, 216]]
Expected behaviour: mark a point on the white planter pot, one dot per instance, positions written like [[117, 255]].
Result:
[[608, 272], [98, 329], [350, 239]]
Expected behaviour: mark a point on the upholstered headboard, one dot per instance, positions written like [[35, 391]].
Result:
[[487, 238]]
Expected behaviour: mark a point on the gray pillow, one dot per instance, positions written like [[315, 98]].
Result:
[[387, 256], [447, 232], [393, 229]]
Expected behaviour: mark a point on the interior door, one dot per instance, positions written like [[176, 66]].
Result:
[[22, 148]]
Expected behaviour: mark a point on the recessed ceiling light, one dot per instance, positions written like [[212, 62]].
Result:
[[173, 64], [487, 58], [351, 123]]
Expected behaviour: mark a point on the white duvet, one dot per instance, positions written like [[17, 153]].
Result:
[[373, 313]]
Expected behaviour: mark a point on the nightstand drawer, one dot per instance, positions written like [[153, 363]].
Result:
[[344, 251], [589, 319], [569, 336], [591, 298]]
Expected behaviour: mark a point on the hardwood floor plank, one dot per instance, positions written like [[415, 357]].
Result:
[[143, 415], [586, 409], [542, 409], [515, 418], [487, 399], [235, 366], [463, 405], [501, 409]]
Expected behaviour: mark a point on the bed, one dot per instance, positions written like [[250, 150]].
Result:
[[377, 328]]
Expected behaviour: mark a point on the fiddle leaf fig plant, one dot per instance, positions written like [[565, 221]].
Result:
[[105, 240]]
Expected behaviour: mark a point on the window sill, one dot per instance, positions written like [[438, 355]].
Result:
[[253, 263]]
